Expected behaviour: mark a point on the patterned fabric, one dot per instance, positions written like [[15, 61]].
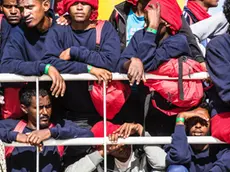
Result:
[[2, 158]]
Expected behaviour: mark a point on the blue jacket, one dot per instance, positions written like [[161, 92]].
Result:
[[23, 159], [83, 48], [218, 65], [144, 46], [24, 50], [214, 159]]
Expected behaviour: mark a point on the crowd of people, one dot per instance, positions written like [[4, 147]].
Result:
[[141, 36]]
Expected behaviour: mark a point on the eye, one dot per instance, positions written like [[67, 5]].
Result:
[[7, 6], [21, 9]]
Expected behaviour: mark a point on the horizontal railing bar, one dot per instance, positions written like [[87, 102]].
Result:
[[6, 77], [129, 140]]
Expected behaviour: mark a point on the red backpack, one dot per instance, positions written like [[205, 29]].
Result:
[[181, 94], [116, 93], [19, 128]]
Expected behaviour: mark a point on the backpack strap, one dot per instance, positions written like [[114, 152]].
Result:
[[18, 128], [99, 26], [180, 78], [60, 149]]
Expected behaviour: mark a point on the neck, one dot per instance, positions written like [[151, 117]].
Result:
[[31, 125], [85, 25], [201, 3], [45, 24], [199, 148], [139, 9]]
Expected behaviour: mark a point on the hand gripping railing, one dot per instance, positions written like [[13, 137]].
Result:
[[97, 141]]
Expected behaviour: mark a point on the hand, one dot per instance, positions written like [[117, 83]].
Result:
[[58, 86], [199, 112], [203, 64], [128, 129], [154, 15], [21, 138], [136, 71], [64, 20], [38, 136], [101, 74], [2, 100], [65, 55]]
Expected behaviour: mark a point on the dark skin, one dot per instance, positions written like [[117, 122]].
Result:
[[36, 137], [120, 151], [199, 128]]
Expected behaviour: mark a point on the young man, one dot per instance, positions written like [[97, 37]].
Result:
[[217, 57], [73, 48], [121, 157], [24, 48], [195, 158], [197, 10], [18, 158]]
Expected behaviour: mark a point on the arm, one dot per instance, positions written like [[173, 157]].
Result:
[[222, 163], [87, 164], [196, 52], [218, 62], [108, 55], [6, 130], [14, 57]]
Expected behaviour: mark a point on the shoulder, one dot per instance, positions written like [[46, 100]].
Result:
[[8, 123], [220, 42], [59, 28]]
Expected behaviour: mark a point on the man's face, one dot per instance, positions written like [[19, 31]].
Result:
[[45, 108], [198, 126], [11, 11], [80, 11], [33, 11], [122, 153], [211, 3]]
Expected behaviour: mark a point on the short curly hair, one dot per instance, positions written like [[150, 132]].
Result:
[[226, 10]]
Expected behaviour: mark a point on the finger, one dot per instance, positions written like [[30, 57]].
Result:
[[53, 85], [63, 88], [138, 77], [56, 87], [134, 77], [143, 77], [60, 87]]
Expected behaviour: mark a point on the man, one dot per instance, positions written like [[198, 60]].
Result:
[[24, 48], [73, 48], [195, 158], [197, 10], [121, 157], [18, 158], [217, 59]]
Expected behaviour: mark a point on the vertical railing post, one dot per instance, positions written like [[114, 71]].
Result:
[[37, 121], [105, 129]]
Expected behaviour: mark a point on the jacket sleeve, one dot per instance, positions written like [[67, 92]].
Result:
[[68, 129], [13, 60], [196, 52], [222, 164], [178, 152], [87, 164], [108, 55], [53, 49], [6, 130], [218, 63]]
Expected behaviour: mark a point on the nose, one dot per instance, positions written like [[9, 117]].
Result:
[[198, 125], [26, 13], [79, 6], [44, 110], [13, 10]]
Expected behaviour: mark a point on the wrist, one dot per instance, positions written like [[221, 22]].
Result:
[[153, 27], [46, 71], [89, 68], [180, 120]]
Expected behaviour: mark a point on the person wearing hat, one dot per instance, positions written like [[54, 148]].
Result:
[[123, 158], [184, 157]]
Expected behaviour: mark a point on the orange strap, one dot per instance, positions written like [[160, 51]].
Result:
[[99, 26]]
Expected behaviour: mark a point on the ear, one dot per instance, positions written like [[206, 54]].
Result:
[[1, 8], [46, 5], [24, 109]]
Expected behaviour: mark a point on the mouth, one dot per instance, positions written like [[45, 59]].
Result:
[[13, 18], [44, 118], [28, 20], [198, 133]]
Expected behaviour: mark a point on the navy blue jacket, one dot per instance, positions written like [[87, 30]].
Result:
[[214, 159], [23, 159], [143, 45], [24, 50], [83, 48], [218, 64]]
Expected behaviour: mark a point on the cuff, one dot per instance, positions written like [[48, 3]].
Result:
[[13, 136], [180, 130], [42, 68], [54, 132], [199, 59], [149, 36], [95, 157], [74, 53]]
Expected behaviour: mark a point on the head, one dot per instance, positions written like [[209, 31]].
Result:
[[207, 3], [121, 153], [226, 10], [170, 16], [197, 126], [28, 105], [82, 10], [33, 11], [11, 11]]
